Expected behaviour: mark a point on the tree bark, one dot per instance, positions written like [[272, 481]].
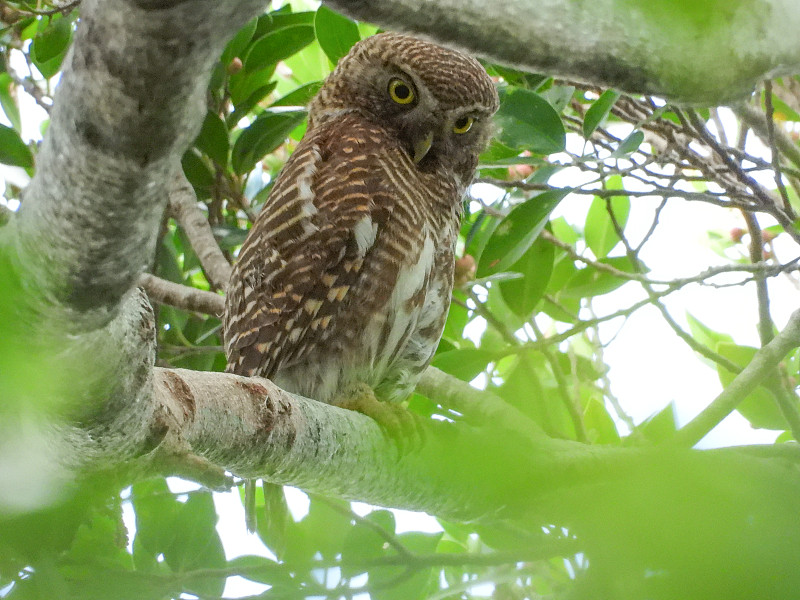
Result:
[[707, 52]]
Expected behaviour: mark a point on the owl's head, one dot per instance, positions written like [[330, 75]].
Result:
[[436, 101]]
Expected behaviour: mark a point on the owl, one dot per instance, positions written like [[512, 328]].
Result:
[[346, 275]]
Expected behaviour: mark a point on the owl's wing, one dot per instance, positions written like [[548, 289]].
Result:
[[306, 250]]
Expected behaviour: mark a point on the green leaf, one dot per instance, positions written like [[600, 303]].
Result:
[[311, 64], [517, 232], [156, 509], [522, 295], [416, 586], [301, 96], [263, 136], [601, 235], [364, 543], [759, 407], [335, 33], [8, 103], [213, 139], [528, 121], [599, 424], [196, 171], [598, 111], [324, 529], [283, 17], [564, 231], [228, 236], [464, 363], [239, 42], [246, 105], [629, 145], [660, 427], [590, 282], [263, 570], [277, 45], [13, 150], [706, 336], [50, 45], [243, 85]]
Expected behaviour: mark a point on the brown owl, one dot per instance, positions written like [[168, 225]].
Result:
[[346, 275]]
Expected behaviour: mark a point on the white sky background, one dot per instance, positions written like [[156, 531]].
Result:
[[649, 365]]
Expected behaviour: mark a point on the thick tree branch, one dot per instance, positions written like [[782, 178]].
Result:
[[130, 100], [711, 53]]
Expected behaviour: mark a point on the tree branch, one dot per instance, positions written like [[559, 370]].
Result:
[[182, 296], [711, 54], [183, 206], [130, 100], [762, 365]]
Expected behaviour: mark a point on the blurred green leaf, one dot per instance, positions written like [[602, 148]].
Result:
[[264, 570], [599, 424], [229, 236], [517, 232], [9, 103], [661, 426], [213, 139], [246, 105], [529, 122], [598, 111], [336, 33], [197, 172], [417, 584], [50, 45], [277, 45], [263, 136], [589, 282], [522, 295], [601, 235], [759, 407], [629, 145], [364, 543], [464, 363], [301, 96], [239, 42], [244, 86], [706, 336], [13, 150]]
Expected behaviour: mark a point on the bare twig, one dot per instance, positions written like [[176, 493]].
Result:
[[182, 296], [183, 206]]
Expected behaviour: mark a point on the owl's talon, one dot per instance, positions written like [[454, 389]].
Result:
[[402, 426]]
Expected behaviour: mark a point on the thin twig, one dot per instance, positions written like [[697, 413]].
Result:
[[183, 206]]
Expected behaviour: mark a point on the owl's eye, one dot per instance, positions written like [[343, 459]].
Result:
[[463, 125], [400, 91]]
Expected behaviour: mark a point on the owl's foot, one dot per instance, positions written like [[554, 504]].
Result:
[[399, 424]]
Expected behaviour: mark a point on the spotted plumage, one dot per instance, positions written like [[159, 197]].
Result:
[[347, 272]]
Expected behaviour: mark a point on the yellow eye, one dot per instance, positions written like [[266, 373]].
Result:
[[463, 125], [401, 92]]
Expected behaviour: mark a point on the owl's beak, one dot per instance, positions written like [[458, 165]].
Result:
[[422, 146]]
